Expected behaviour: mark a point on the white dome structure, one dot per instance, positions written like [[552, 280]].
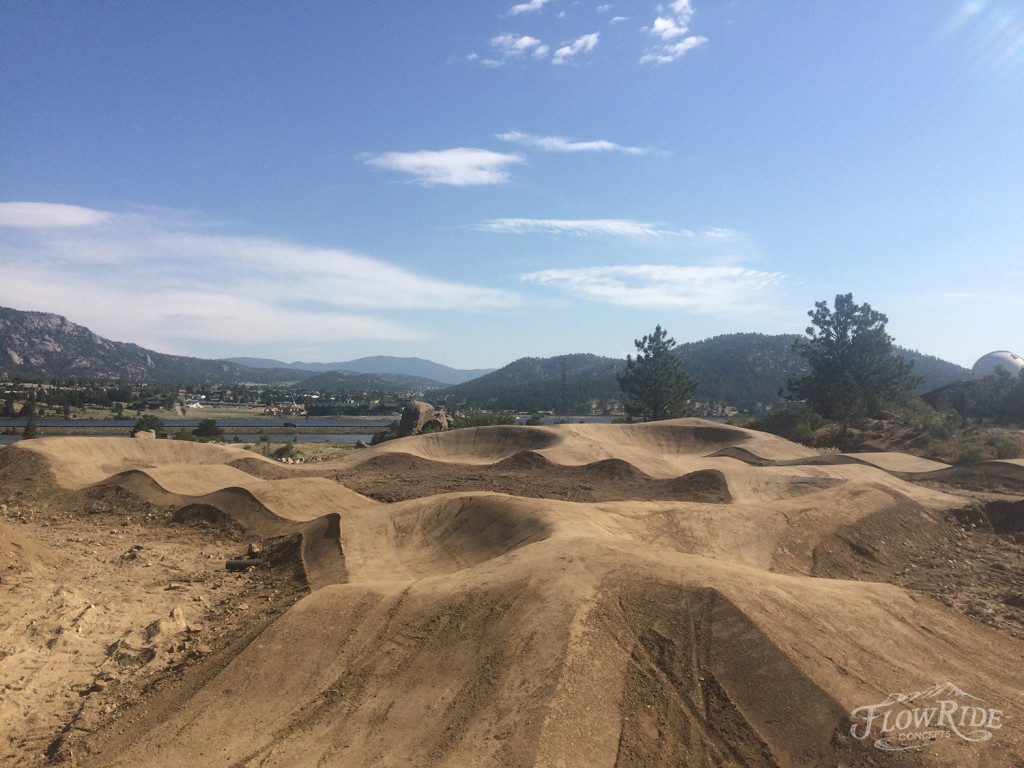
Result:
[[987, 365]]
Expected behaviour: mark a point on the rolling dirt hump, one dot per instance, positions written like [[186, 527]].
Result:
[[679, 593]]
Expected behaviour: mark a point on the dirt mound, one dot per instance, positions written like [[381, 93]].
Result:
[[484, 445], [525, 460], [397, 477], [261, 468], [988, 476], [24, 475], [81, 461], [649, 594], [19, 554], [613, 469], [707, 485], [398, 462]]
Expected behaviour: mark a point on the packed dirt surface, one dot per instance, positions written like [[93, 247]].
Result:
[[675, 593]]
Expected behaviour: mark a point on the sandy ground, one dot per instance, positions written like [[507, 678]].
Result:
[[679, 593]]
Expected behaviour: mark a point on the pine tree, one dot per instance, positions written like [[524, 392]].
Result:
[[30, 430], [852, 365], [654, 384]]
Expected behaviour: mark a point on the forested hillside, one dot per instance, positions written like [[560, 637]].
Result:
[[580, 383], [745, 371]]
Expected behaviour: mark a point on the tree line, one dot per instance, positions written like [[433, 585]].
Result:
[[851, 372]]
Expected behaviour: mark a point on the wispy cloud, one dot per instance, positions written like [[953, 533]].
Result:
[[706, 290], [532, 5], [668, 28], [625, 227], [583, 44], [561, 144], [46, 215], [175, 283], [458, 167]]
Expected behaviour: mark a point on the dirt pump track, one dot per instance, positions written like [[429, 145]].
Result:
[[672, 593]]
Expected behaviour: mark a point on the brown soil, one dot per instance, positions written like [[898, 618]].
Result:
[[671, 594]]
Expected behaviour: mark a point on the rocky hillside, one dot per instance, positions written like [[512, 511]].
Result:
[[41, 345]]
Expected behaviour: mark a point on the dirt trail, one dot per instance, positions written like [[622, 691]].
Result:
[[661, 594]]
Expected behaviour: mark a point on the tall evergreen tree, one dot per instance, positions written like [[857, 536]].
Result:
[[852, 366], [654, 384]]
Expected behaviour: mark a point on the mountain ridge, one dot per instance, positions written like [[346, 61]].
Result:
[[409, 366], [742, 371]]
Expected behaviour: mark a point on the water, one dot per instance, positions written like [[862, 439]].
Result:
[[321, 438], [173, 424], [303, 438]]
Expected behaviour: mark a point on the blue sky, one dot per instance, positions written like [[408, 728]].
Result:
[[474, 182]]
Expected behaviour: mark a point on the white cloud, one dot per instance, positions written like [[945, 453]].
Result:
[[666, 29], [625, 227], [673, 25], [706, 290], [171, 282], [532, 5], [34, 215], [561, 144], [618, 19], [458, 167], [669, 53], [513, 45], [583, 44]]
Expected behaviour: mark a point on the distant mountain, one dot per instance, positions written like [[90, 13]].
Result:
[[580, 383], [41, 346], [407, 366], [745, 371], [347, 381]]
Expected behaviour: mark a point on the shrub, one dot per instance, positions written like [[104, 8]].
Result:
[[969, 456], [388, 434], [286, 451], [484, 419], [149, 422], [208, 430], [1007, 449]]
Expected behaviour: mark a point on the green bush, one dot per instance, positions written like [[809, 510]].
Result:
[[149, 422], [389, 434], [1007, 449], [484, 419], [208, 430], [286, 451], [969, 456]]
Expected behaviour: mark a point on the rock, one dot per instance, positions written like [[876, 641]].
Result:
[[178, 617], [361, 444], [419, 416]]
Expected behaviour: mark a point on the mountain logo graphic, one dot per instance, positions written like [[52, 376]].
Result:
[[914, 720]]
